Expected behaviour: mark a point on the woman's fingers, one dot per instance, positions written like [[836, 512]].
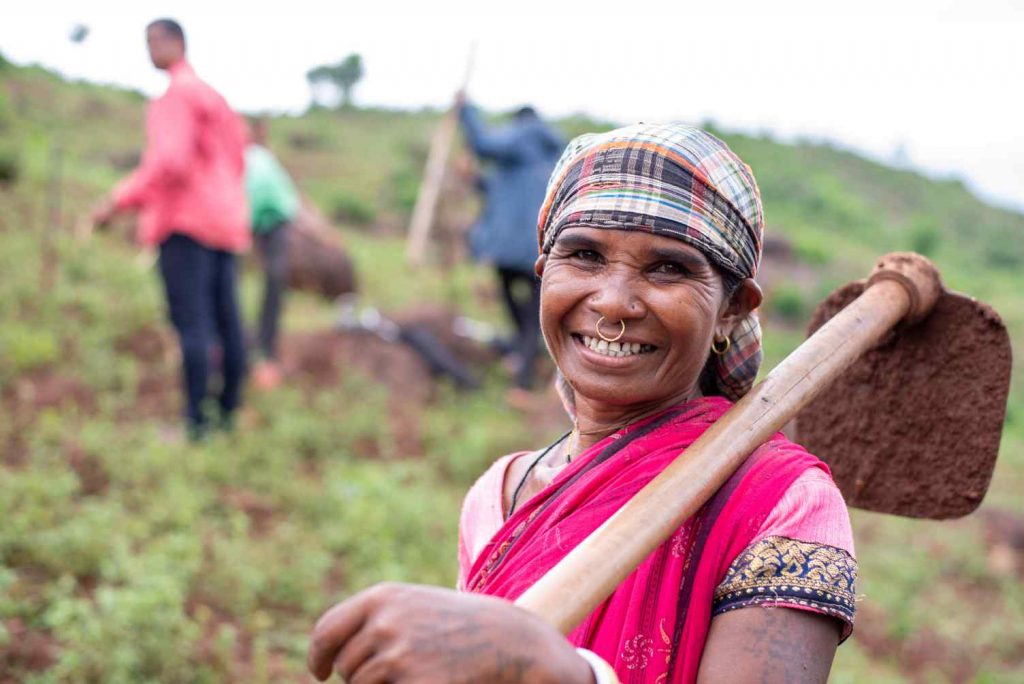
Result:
[[336, 627], [356, 652], [378, 669]]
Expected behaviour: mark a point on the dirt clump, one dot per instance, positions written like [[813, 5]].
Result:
[[1003, 532], [27, 396], [89, 469], [258, 509], [148, 344], [29, 650], [44, 388]]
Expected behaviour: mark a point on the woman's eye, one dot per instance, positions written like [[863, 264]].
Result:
[[586, 255], [670, 268]]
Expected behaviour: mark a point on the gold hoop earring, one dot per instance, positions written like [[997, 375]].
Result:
[[610, 339], [724, 348]]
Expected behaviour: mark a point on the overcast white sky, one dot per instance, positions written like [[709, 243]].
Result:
[[942, 80]]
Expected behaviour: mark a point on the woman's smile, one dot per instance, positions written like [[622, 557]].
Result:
[[616, 352]]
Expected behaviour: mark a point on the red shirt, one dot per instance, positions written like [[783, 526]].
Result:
[[191, 179]]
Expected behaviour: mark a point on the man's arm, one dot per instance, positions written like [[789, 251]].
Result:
[[765, 645], [170, 147], [499, 144]]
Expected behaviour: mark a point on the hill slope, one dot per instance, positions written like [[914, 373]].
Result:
[[127, 556]]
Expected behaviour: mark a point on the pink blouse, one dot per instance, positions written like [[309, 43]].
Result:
[[811, 519]]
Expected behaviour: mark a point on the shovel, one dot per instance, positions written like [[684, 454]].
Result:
[[901, 389]]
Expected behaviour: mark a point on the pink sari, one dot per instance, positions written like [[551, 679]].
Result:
[[653, 627]]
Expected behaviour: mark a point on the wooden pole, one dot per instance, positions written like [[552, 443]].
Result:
[[589, 573], [433, 177]]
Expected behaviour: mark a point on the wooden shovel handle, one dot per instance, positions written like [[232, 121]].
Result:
[[903, 286], [433, 177]]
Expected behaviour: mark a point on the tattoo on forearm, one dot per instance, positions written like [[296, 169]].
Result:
[[786, 657]]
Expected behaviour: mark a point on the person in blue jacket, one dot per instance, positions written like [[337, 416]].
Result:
[[521, 155]]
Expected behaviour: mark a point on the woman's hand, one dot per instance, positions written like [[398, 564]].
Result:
[[401, 633]]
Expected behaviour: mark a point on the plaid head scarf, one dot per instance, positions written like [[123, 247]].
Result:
[[672, 180]]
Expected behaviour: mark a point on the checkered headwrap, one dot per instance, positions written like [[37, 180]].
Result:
[[672, 180]]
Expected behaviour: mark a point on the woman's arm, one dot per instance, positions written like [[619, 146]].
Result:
[[768, 645]]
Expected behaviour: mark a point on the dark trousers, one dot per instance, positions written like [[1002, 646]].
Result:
[[521, 293], [273, 247], [203, 306]]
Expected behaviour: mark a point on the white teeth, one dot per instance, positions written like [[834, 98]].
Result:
[[614, 349]]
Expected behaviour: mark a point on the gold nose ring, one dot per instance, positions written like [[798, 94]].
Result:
[[610, 339]]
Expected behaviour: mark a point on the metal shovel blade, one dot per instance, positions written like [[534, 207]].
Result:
[[912, 428]]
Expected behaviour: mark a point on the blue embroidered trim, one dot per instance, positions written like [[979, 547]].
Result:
[[779, 570]]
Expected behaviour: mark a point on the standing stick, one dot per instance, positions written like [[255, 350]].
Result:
[[900, 288], [433, 178]]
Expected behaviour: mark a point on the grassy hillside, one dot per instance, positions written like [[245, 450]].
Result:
[[127, 556]]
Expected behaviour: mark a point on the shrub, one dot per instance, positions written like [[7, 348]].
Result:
[[1000, 257], [788, 303], [404, 188], [347, 208], [924, 237], [10, 166], [25, 348]]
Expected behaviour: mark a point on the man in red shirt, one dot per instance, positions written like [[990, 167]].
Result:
[[190, 192]]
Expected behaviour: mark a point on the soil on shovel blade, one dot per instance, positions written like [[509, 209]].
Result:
[[913, 426]]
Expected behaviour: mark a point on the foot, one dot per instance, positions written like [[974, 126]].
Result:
[[266, 375], [197, 433]]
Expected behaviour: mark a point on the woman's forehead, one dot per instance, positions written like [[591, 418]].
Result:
[[627, 238]]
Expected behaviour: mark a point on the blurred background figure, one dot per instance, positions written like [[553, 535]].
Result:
[[273, 205], [189, 190], [521, 155]]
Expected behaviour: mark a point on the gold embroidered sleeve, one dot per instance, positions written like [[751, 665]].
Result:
[[788, 572]]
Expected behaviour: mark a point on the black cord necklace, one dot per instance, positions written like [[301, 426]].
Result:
[[519, 487]]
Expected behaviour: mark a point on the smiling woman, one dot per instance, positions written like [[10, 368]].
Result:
[[650, 238]]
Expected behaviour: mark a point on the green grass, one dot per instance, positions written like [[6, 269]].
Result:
[[141, 559]]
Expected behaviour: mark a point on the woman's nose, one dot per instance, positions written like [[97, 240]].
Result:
[[618, 299]]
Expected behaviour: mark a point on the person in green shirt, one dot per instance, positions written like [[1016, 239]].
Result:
[[273, 204]]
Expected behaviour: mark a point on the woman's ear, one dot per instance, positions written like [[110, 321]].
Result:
[[746, 298], [538, 265]]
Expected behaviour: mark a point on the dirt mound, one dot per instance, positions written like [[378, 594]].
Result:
[[317, 261], [319, 360], [439, 321]]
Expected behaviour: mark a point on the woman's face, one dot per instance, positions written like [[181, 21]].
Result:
[[671, 299]]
